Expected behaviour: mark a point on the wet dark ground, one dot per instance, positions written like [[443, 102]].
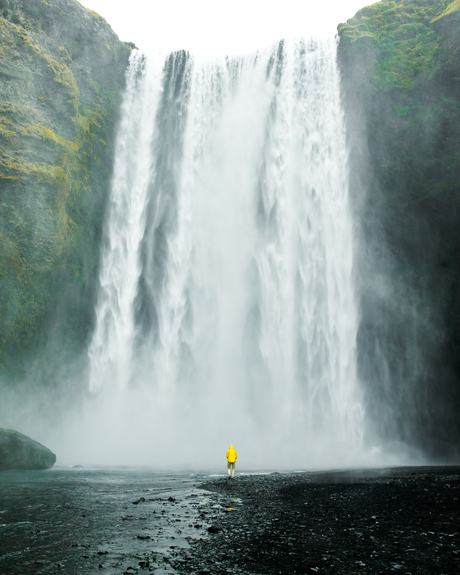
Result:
[[403, 520], [110, 521]]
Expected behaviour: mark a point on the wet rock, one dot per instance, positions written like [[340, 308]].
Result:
[[143, 537], [140, 500], [214, 529], [17, 451], [144, 564]]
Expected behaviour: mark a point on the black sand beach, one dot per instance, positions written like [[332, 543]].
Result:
[[402, 520]]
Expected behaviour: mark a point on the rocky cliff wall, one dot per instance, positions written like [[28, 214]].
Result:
[[400, 66], [61, 78]]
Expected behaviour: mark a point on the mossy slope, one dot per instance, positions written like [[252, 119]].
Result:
[[404, 36], [61, 74], [400, 67]]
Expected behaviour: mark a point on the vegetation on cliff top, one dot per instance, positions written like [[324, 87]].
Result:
[[404, 57], [403, 36]]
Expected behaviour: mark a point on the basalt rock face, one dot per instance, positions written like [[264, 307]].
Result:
[[400, 68], [17, 451], [61, 78]]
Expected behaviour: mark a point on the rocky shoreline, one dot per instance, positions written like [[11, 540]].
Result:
[[127, 521], [402, 520]]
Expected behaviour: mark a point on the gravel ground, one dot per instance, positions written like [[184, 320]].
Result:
[[404, 520]]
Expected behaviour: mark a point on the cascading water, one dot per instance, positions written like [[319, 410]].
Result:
[[226, 311], [111, 347]]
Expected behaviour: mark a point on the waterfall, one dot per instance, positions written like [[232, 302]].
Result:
[[110, 350], [226, 305]]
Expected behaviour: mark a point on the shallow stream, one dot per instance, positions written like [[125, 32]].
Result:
[[85, 520]]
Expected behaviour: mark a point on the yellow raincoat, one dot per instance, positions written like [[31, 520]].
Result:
[[231, 454]]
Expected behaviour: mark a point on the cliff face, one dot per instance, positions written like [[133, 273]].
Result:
[[400, 65], [61, 77]]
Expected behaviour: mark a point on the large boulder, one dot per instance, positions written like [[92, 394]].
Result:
[[17, 451]]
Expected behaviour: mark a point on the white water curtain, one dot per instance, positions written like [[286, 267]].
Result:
[[226, 310]]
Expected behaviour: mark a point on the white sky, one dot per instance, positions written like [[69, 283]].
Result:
[[213, 27]]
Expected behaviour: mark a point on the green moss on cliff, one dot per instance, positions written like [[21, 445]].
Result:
[[452, 7], [403, 38], [59, 89], [400, 64], [409, 88]]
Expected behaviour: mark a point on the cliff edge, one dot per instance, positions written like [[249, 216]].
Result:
[[400, 69], [61, 78]]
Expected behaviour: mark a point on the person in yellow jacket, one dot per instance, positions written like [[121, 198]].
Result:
[[231, 460]]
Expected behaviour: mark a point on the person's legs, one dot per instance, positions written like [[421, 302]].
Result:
[[233, 469], [228, 467]]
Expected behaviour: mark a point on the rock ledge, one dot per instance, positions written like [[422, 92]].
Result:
[[17, 451]]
